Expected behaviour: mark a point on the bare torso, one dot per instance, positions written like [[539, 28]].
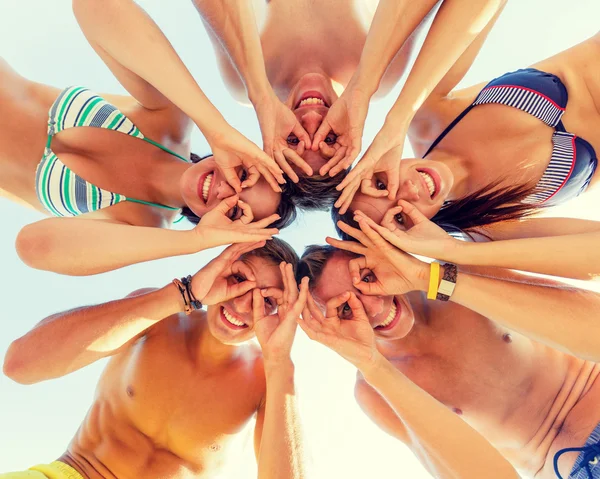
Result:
[[527, 399], [497, 141], [300, 35], [108, 159], [162, 411]]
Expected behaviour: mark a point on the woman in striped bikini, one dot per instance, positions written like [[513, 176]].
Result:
[[129, 186], [513, 146]]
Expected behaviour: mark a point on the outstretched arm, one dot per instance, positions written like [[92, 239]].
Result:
[[446, 446], [560, 316], [68, 341], [95, 243]]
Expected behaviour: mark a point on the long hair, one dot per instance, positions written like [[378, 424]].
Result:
[[485, 206], [286, 209]]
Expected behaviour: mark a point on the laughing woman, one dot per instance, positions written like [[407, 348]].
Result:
[[497, 151], [123, 163]]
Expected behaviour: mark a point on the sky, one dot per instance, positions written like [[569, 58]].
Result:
[[42, 41]]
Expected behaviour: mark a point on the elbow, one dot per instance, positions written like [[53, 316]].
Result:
[[15, 366], [33, 246]]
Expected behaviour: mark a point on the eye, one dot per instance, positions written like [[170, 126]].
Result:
[[238, 278], [233, 213], [380, 185], [244, 175], [399, 219], [331, 138], [292, 140], [344, 311], [367, 276]]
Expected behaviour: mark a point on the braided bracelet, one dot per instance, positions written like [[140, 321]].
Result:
[[189, 300]]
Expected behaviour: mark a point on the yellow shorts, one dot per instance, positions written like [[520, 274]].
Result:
[[55, 470]]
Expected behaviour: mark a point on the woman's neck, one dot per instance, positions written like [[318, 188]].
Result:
[[164, 179], [461, 172]]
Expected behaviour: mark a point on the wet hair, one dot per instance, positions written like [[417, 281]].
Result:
[[315, 192], [276, 251], [286, 209], [485, 206], [313, 262]]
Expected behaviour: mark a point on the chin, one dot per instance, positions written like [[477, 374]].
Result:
[[221, 333]]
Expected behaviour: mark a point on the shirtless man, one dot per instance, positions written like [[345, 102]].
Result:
[[178, 389], [305, 53], [495, 354]]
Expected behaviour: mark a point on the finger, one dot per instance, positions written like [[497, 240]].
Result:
[[376, 239], [247, 215], [237, 250], [258, 305], [266, 174], [389, 218], [266, 222], [321, 134], [315, 313], [347, 245], [231, 176], [366, 187], [333, 162], [274, 293], [225, 205], [355, 266], [301, 133], [358, 310], [355, 233], [268, 167], [327, 150], [295, 158], [393, 177], [300, 303], [383, 231], [349, 157], [284, 279], [253, 177], [351, 177], [243, 269], [306, 326], [334, 303], [302, 147], [285, 166], [345, 199], [412, 212]]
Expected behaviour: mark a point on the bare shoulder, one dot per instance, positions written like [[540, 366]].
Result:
[[378, 410]]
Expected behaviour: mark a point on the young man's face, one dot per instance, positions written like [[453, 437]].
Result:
[[391, 317], [231, 322], [310, 100]]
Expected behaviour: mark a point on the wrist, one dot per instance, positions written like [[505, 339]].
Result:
[[361, 81], [421, 282], [259, 92], [370, 369], [278, 367]]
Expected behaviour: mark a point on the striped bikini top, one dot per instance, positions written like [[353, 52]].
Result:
[[544, 96], [60, 190]]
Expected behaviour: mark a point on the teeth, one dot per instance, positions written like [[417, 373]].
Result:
[[231, 319], [429, 181], [391, 316], [206, 186], [311, 101]]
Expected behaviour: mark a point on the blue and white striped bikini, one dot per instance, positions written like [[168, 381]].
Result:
[[60, 190], [544, 96]]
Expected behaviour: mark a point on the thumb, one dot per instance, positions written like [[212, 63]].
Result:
[[225, 205]]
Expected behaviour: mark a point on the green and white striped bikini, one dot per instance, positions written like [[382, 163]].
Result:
[[60, 190]]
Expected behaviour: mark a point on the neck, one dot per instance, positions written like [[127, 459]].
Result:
[[461, 171], [165, 178], [208, 350], [284, 80]]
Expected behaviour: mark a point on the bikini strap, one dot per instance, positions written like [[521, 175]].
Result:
[[590, 453], [448, 129], [148, 203], [164, 148]]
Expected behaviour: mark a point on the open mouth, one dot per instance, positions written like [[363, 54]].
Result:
[[311, 98], [204, 185], [231, 321], [430, 180], [392, 318]]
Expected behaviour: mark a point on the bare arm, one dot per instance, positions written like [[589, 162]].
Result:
[[277, 439], [125, 35], [68, 341], [445, 444], [233, 23]]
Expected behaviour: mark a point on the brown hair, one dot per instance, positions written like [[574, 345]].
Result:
[[286, 209], [313, 261], [485, 206], [276, 251], [315, 192]]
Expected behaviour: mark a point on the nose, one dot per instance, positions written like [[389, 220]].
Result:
[[243, 304], [311, 121], [224, 190], [373, 305], [408, 191]]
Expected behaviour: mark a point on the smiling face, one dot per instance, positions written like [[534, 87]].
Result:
[[424, 183], [391, 317], [310, 100], [203, 186], [231, 321]]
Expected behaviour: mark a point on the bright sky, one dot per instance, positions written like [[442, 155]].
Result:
[[43, 42]]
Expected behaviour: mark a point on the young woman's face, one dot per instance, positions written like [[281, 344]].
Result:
[[426, 184], [203, 186]]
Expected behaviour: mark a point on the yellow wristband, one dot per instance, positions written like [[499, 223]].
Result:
[[434, 279]]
